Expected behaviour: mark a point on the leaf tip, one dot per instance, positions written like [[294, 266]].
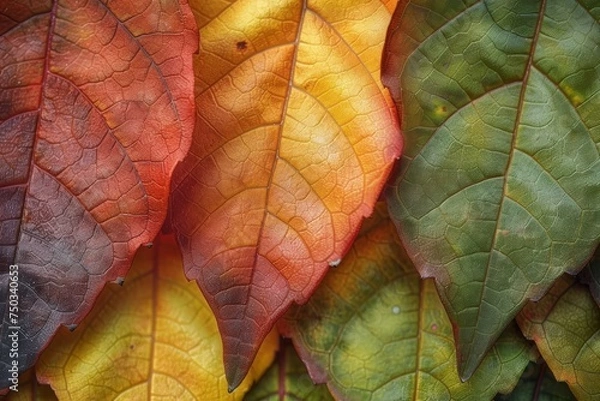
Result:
[[468, 366], [71, 327], [234, 377]]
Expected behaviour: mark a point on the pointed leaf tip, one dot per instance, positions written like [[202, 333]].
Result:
[[161, 331], [235, 376], [295, 137], [498, 192], [375, 331]]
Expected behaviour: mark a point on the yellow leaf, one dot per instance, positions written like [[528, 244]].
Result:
[[153, 338]]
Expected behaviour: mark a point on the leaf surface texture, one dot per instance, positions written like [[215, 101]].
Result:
[[153, 338], [565, 325], [374, 330], [95, 111], [498, 192], [538, 384], [287, 380], [294, 139]]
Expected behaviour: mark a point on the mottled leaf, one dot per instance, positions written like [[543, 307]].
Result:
[[565, 325], [294, 140], [287, 380], [96, 108], [498, 193], [374, 330], [154, 337], [538, 384]]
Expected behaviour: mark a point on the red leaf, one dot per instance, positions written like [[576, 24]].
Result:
[[96, 109]]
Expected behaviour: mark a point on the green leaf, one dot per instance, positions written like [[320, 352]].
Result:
[[498, 191], [538, 384], [287, 380], [375, 331], [565, 325]]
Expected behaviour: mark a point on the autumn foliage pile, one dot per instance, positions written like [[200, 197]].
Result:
[[400, 189]]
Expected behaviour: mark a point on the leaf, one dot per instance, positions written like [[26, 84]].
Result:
[[154, 337], [30, 390], [538, 384], [95, 110], [294, 140], [497, 194], [374, 330], [287, 379], [565, 325], [591, 276]]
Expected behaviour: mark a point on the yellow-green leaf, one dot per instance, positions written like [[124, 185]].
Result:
[[153, 337], [375, 331], [287, 380], [565, 325]]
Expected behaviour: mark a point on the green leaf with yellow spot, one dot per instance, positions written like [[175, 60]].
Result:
[[498, 191], [565, 325], [375, 331]]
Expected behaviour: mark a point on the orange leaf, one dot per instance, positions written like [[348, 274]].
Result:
[[96, 108], [294, 140]]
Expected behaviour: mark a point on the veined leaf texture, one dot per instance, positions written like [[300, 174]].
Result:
[[96, 108], [498, 193], [295, 137]]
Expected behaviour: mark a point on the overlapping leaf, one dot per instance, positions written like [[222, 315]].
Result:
[[538, 384], [30, 390], [294, 140], [96, 107], [154, 337], [498, 193], [591, 276], [565, 325], [374, 330], [287, 380]]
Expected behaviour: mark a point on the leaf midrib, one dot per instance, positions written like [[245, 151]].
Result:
[[529, 66]]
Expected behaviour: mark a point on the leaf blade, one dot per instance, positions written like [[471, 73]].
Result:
[[374, 330], [294, 139], [287, 379], [564, 326], [153, 337], [95, 113], [491, 189]]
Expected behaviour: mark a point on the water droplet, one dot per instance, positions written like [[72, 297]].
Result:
[[335, 263], [395, 310]]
